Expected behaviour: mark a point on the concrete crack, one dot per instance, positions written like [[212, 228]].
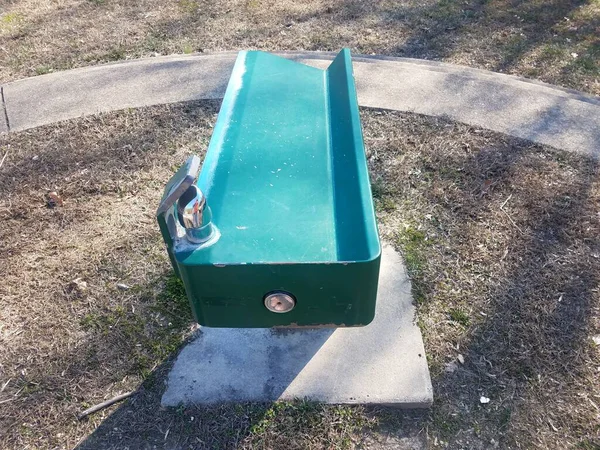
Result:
[[4, 108]]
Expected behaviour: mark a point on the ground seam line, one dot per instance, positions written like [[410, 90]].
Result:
[[4, 108]]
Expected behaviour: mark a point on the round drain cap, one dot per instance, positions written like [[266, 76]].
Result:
[[280, 302]]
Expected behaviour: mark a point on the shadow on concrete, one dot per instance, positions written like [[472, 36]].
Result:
[[145, 84], [247, 364], [535, 118], [143, 423]]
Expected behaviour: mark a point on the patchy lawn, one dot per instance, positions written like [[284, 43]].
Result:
[[500, 237], [552, 40]]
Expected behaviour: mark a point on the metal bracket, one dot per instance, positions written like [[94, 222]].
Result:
[[175, 188], [179, 183]]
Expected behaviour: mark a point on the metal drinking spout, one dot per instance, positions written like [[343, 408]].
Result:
[[190, 208], [194, 215]]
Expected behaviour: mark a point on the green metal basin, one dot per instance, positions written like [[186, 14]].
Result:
[[286, 202]]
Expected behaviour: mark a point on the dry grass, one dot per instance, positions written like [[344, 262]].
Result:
[[65, 347], [500, 237], [555, 41]]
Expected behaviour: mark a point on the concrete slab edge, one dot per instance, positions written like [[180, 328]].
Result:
[[529, 109], [323, 55], [4, 123]]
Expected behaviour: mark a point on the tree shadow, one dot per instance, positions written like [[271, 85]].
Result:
[[518, 223], [531, 208], [74, 334], [534, 38]]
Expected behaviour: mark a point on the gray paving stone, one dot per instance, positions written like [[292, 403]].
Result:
[[532, 110], [382, 363]]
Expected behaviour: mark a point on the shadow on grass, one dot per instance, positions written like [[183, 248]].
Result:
[[507, 273], [539, 318], [534, 38], [501, 236], [504, 274], [142, 423]]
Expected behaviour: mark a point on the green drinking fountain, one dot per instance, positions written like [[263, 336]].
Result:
[[276, 226]]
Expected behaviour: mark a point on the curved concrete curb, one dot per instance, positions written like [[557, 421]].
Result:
[[561, 118]]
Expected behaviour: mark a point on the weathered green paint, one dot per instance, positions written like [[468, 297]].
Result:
[[286, 179]]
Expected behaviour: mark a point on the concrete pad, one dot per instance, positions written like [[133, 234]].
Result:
[[382, 363], [546, 114]]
